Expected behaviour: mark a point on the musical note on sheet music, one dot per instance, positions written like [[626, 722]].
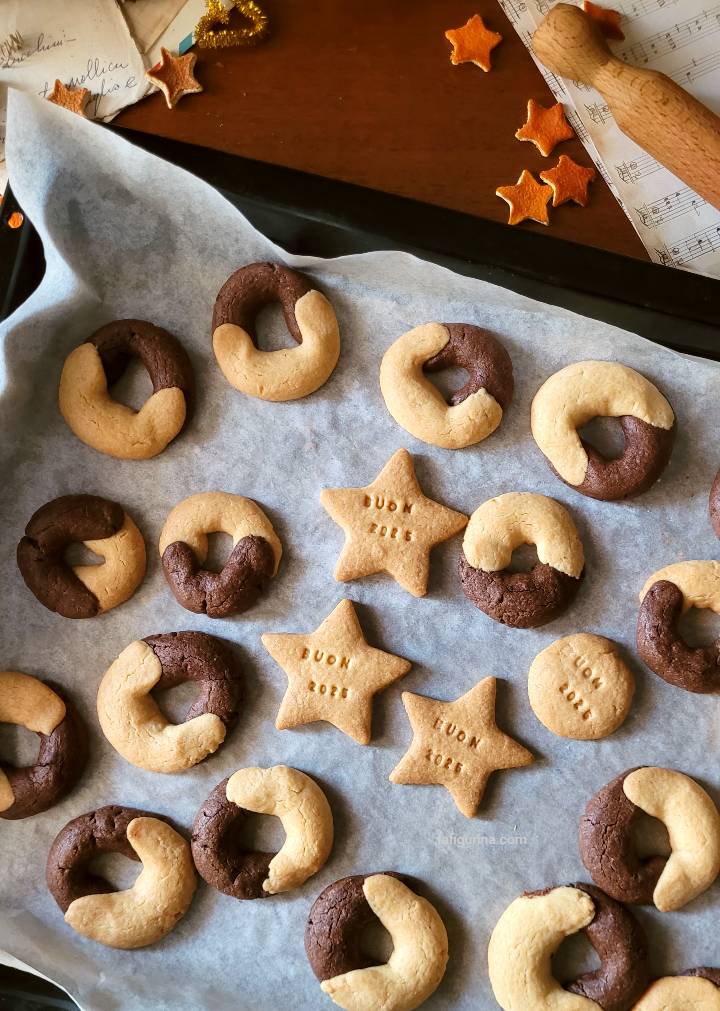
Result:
[[682, 40]]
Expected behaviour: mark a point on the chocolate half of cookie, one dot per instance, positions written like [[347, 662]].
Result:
[[482, 356], [645, 455], [251, 288], [665, 651], [714, 504], [333, 933], [206, 661], [60, 762], [163, 355], [519, 599], [236, 587], [41, 552]]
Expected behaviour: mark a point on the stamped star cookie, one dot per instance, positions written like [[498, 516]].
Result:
[[607, 20], [390, 526], [174, 76], [457, 745], [473, 43], [546, 128], [72, 99], [333, 674], [569, 181], [527, 199]]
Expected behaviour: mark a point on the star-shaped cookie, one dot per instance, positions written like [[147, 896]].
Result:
[[569, 181], [174, 76], [457, 745], [332, 674], [390, 526], [473, 43], [72, 99], [527, 199], [545, 127]]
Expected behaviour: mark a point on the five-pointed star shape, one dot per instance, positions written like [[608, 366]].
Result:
[[332, 674], [527, 199], [569, 181], [72, 99], [473, 43], [457, 745], [608, 20], [390, 526], [174, 76], [545, 127]]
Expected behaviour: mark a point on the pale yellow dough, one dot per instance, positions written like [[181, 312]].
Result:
[[301, 806], [699, 583], [583, 391], [418, 960], [289, 373], [161, 895], [680, 993], [117, 578], [419, 407], [502, 524], [109, 426], [133, 723]]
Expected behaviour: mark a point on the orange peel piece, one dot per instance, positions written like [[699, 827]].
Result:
[[607, 20], [545, 127], [569, 181], [527, 199], [473, 43], [174, 76], [72, 99]]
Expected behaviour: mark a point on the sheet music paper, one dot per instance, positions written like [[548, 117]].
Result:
[[681, 38]]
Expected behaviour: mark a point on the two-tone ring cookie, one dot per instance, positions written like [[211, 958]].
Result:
[[81, 591], [289, 373], [608, 849], [254, 558], [133, 917], [114, 428], [664, 598], [534, 926], [418, 406], [289, 795], [521, 599], [131, 719], [580, 392], [333, 936], [39, 706]]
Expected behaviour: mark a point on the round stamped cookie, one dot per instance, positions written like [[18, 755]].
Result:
[[418, 406], [580, 688], [81, 591], [289, 373], [133, 722], [607, 846], [136, 916], [333, 937], [109, 426], [254, 558], [37, 705], [664, 598], [521, 599], [691, 991], [534, 926], [580, 392], [289, 795]]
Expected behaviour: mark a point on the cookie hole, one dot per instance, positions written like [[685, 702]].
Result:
[[376, 943], [524, 559], [449, 380], [134, 386], [605, 435], [699, 627], [649, 836], [120, 871], [18, 746], [78, 554], [259, 832], [174, 702], [219, 548], [574, 957], [270, 330]]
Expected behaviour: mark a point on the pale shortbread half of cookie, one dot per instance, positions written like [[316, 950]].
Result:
[[698, 581], [680, 993], [26, 702], [116, 579]]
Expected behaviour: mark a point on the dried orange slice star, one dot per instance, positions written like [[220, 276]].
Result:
[[72, 99], [174, 76], [607, 20], [527, 199], [545, 127], [569, 181], [473, 43]]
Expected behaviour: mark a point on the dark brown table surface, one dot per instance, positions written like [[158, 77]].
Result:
[[365, 92]]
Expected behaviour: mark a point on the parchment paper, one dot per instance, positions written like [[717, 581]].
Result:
[[127, 235]]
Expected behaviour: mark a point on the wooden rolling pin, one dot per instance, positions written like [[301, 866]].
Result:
[[676, 129]]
